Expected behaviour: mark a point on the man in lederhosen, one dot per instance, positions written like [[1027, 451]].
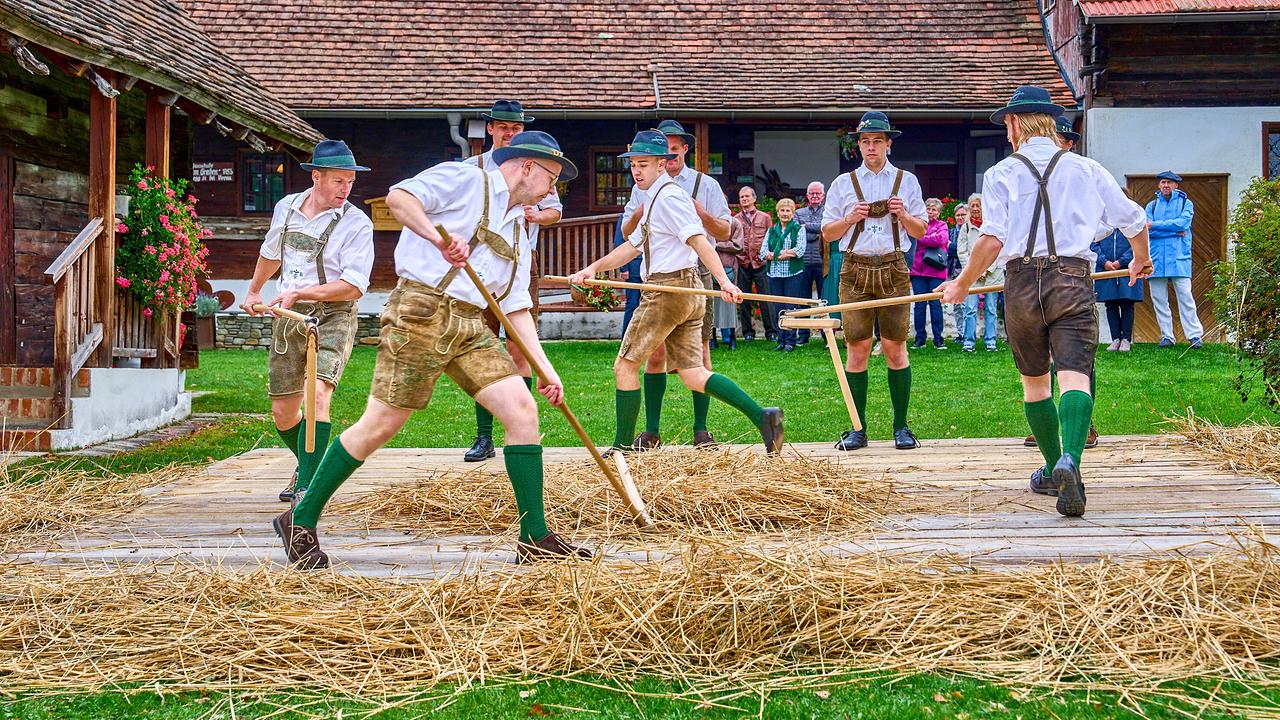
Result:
[[671, 239], [432, 326], [869, 212], [1042, 208], [713, 212], [506, 120], [323, 247]]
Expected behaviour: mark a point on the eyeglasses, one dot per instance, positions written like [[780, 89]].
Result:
[[555, 177]]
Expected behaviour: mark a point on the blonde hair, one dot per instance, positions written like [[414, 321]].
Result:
[[787, 202], [1034, 125], [935, 202]]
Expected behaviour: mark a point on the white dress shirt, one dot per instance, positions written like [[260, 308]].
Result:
[[877, 234], [550, 202], [451, 193], [709, 194], [1082, 195], [672, 222], [348, 256]]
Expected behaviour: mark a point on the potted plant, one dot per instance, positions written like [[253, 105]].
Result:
[[206, 333]]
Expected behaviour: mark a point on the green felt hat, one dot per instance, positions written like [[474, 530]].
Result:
[[875, 121], [332, 155], [508, 111], [671, 127], [537, 144], [1028, 99], [648, 143]]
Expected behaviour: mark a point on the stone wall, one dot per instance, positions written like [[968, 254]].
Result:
[[237, 330]]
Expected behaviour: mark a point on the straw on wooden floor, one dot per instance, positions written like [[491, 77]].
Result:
[[1250, 448], [719, 618], [686, 490]]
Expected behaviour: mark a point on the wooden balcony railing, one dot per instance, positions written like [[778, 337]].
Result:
[[78, 322], [567, 246]]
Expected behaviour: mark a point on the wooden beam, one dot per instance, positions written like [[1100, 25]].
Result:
[[201, 116], [157, 143], [125, 83], [700, 140], [8, 263], [102, 203]]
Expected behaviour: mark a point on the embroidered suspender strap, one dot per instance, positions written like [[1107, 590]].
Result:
[[644, 229], [1042, 201], [511, 281], [475, 236], [893, 221], [324, 240]]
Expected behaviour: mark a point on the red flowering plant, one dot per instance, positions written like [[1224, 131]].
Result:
[[599, 297], [949, 205], [160, 251]]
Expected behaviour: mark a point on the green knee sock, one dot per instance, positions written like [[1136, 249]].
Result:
[[701, 406], [1093, 383], [655, 386], [900, 395], [290, 438], [334, 469], [858, 389], [308, 461], [626, 405], [484, 422], [1077, 413], [528, 382], [524, 467], [1042, 417], [726, 390]]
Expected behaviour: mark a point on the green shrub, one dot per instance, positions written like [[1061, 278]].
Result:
[[1247, 289], [206, 305]]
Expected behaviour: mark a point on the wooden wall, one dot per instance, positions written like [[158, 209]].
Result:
[[44, 129], [1190, 64], [1065, 26]]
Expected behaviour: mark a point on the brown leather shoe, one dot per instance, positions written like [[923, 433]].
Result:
[[550, 547], [1030, 441], [703, 439], [1092, 440], [301, 544], [646, 441]]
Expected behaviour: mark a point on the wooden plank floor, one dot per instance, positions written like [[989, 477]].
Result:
[[1148, 496]]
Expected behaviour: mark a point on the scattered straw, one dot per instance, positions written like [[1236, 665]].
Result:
[[687, 490], [1253, 449], [40, 502], [719, 618]]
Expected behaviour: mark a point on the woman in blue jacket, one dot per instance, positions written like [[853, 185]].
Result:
[[1114, 253], [1170, 215]]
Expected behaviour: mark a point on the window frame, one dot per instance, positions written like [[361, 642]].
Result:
[[242, 160], [592, 153], [1268, 129]]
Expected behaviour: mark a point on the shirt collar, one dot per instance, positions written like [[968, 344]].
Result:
[[1041, 141], [499, 192], [887, 169], [296, 206]]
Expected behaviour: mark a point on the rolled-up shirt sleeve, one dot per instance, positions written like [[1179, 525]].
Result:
[[996, 197], [357, 257], [717, 205], [1118, 211], [441, 186], [271, 249]]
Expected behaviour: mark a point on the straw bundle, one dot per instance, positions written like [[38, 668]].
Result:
[[1247, 448], [686, 490], [716, 619], [39, 502]]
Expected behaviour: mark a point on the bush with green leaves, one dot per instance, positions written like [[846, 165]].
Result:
[[206, 305], [1247, 290]]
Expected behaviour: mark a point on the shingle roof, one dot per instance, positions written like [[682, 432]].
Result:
[[157, 41], [597, 55], [1137, 8]]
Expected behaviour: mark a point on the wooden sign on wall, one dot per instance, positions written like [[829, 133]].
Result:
[[210, 172]]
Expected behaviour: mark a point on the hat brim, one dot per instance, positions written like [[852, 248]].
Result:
[[313, 166], [1069, 134], [688, 138], [1050, 109], [642, 153], [568, 171], [523, 120], [891, 133]]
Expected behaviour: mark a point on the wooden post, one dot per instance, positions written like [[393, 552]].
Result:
[[102, 203], [157, 153], [700, 145], [8, 263]]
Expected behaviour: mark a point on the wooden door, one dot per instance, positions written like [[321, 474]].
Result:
[[1208, 245], [8, 264], [937, 179]]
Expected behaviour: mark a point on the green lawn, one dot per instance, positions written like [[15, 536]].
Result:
[[908, 698], [954, 394]]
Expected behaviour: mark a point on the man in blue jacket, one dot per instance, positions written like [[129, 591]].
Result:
[[1170, 217]]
